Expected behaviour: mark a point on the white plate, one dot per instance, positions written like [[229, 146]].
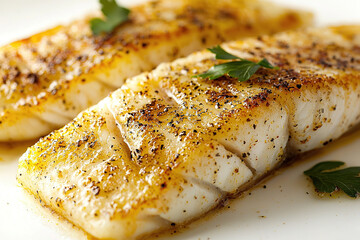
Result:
[[286, 209]]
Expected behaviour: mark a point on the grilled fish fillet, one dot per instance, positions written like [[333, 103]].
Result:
[[49, 78], [168, 147]]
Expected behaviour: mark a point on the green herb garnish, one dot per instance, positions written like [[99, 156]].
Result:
[[326, 181], [114, 16], [242, 69]]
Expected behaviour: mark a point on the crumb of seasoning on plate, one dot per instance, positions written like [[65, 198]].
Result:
[[262, 216], [264, 186]]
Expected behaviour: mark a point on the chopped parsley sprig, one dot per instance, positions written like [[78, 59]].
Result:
[[242, 69], [326, 181], [114, 16]]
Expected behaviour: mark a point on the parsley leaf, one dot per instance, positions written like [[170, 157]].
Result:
[[220, 53], [242, 70], [114, 15], [347, 179]]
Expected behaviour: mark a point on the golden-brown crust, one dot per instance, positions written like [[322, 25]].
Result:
[[167, 120]]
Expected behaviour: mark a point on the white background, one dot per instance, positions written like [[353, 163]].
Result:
[[290, 208]]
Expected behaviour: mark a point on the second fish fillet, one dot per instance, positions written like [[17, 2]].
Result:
[[49, 78]]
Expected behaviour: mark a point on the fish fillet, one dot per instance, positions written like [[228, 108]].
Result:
[[168, 147], [49, 78]]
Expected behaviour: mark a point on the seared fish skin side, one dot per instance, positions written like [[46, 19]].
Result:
[[49, 78], [168, 147]]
